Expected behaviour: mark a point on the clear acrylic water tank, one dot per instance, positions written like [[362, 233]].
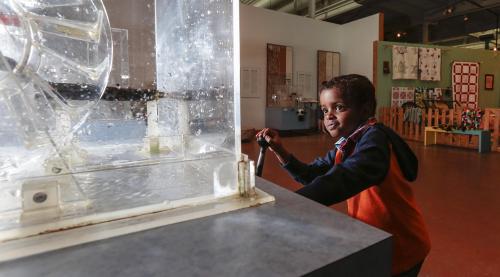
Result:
[[70, 156]]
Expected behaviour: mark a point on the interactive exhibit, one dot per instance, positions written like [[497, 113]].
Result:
[[77, 166]]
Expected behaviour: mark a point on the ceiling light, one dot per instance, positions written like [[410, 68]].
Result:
[[398, 35], [448, 11], [466, 18]]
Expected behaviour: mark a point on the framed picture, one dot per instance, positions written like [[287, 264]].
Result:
[[328, 66], [279, 75], [489, 81]]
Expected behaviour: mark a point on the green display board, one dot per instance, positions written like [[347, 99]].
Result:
[[489, 63]]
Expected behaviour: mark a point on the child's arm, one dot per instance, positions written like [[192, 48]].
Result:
[[306, 173], [367, 166], [303, 173]]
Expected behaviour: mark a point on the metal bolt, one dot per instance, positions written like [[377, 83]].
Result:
[[40, 197]]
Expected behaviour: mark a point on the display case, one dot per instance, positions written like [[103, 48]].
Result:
[[71, 155]]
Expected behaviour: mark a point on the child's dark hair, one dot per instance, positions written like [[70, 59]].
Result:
[[356, 90]]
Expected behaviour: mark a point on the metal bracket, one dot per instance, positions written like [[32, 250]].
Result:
[[40, 199], [153, 128]]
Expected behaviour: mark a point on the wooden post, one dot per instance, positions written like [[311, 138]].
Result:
[[492, 117], [436, 117], [400, 120]]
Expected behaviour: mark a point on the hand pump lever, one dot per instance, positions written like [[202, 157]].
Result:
[[261, 141]]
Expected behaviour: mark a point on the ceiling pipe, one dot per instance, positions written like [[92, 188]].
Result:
[[339, 7], [335, 8], [266, 4], [496, 35], [295, 6], [298, 5], [312, 8]]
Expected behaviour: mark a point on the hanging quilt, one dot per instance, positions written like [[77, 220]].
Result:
[[404, 62], [429, 64], [401, 95], [465, 80]]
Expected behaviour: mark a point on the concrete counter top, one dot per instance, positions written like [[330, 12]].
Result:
[[290, 237]]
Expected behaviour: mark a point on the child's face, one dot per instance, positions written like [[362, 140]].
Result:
[[341, 119]]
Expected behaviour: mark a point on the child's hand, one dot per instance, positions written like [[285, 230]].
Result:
[[272, 137]]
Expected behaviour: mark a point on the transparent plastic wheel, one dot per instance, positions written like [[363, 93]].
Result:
[[56, 55]]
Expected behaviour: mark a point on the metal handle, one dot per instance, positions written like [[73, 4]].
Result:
[[262, 155]]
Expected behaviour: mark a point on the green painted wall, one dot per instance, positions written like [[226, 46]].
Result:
[[489, 63]]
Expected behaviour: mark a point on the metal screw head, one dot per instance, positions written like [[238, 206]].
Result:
[[40, 197]]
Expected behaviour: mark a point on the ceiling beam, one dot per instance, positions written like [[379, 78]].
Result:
[[437, 15], [480, 6]]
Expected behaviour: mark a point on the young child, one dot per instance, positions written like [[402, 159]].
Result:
[[371, 167]]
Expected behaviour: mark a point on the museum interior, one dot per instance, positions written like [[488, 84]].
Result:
[[249, 138]]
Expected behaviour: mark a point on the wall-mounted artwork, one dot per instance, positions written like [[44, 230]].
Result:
[[465, 80], [404, 62], [249, 87], [328, 66], [489, 81], [279, 74], [402, 95], [386, 68], [304, 84], [429, 64]]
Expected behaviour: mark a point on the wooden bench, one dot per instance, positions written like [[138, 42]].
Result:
[[430, 137]]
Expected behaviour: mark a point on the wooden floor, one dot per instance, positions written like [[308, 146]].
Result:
[[457, 189]]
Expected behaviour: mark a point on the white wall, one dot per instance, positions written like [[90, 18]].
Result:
[[357, 37], [261, 26]]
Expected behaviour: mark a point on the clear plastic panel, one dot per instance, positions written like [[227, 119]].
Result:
[[109, 158], [195, 63]]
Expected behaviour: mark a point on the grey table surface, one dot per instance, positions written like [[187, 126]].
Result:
[[292, 236]]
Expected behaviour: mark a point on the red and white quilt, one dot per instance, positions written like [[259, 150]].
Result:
[[465, 80], [401, 95]]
